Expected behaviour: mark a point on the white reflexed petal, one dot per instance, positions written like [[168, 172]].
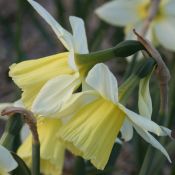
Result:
[[101, 79], [64, 36], [150, 139], [145, 102], [165, 132], [75, 103], [7, 162], [165, 33], [141, 121], [71, 60], [126, 130], [79, 35], [25, 131], [119, 12], [54, 93], [118, 141]]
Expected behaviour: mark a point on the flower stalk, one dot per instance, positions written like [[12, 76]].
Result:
[[123, 49], [31, 122]]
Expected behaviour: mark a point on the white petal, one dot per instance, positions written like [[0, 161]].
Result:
[[119, 12], [71, 61], [118, 141], [138, 27], [7, 162], [64, 36], [4, 105], [165, 33], [25, 131], [126, 130], [141, 121], [79, 35], [19, 103], [165, 131], [150, 139], [129, 35], [54, 94], [145, 102], [169, 8], [102, 80], [77, 101]]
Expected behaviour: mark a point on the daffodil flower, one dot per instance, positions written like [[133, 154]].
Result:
[[48, 82], [92, 130], [51, 150], [131, 14], [7, 162]]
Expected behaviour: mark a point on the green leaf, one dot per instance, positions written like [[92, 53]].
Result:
[[22, 168]]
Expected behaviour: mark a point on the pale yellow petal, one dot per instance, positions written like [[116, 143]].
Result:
[[75, 103], [51, 150], [31, 75], [91, 133], [55, 93]]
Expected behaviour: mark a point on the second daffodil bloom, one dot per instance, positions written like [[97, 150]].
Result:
[[7, 162], [92, 131], [51, 150], [53, 78], [131, 14]]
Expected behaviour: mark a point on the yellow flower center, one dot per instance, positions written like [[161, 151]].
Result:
[[143, 11]]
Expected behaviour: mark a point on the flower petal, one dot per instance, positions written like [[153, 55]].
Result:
[[165, 33], [141, 121], [31, 75], [102, 80], [54, 93], [150, 139], [145, 102], [126, 130], [75, 103], [64, 36], [79, 35], [168, 7], [51, 149], [91, 133], [120, 12], [7, 162], [71, 61]]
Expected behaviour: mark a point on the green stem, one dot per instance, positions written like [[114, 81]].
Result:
[[129, 85], [123, 49], [35, 159], [147, 161], [160, 159], [131, 66]]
